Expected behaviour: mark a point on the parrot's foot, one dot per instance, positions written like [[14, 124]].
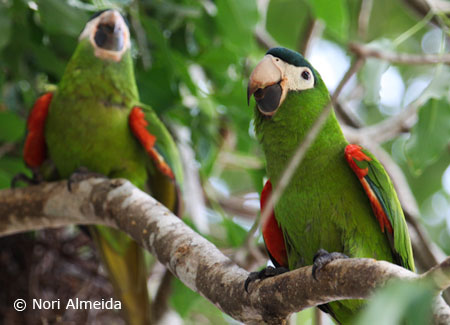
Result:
[[322, 258], [265, 273], [35, 180], [81, 174]]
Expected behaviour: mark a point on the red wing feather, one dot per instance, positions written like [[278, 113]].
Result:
[[35, 150], [272, 233], [353, 153], [138, 126]]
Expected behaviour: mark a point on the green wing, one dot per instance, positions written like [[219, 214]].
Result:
[[384, 201], [165, 172], [165, 144]]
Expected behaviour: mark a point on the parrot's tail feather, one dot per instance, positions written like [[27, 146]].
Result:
[[127, 272]]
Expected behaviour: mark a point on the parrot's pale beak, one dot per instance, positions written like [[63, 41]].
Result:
[[266, 84], [109, 35]]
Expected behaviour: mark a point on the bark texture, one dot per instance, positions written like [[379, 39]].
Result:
[[196, 261]]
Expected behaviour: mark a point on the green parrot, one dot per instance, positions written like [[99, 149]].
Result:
[[94, 121], [340, 199]]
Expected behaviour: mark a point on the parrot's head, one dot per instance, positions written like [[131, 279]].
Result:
[[108, 34], [290, 95], [281, 73]]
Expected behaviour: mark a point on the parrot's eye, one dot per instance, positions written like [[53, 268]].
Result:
[[306, 75]]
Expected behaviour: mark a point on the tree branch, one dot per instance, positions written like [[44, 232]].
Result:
[[366, 51], [194, 260], [364, 17], [264, 39]]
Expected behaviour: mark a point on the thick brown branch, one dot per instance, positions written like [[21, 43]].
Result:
[[194, 260], [366, 51]]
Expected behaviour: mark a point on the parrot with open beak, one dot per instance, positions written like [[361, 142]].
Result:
[[95, 121], [340, 201]]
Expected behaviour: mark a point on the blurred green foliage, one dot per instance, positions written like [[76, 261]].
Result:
[[401, 302], [193, 58]]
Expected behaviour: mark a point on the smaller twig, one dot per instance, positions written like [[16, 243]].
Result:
[[264, 39], [391, 127], [315, 30], [233, 160], [193, 193], [140, 36], [346, 116], [261, 35], [398, 58], [414, 29], [234, 205], [424, 255], [364, 17], [250, 234]]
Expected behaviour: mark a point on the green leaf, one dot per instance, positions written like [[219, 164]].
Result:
[[5, 26], [439, 86], [12, 127], [58, 17], [235, 233], [5, 180], [47, 60], [335, 15], [9, 167], [192, 307], [236, 20], [182, 298], [400, 303], [287, 26], [430, 135]]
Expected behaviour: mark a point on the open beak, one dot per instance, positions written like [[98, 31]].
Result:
[[108, 34], [266, 84], [111, 31]]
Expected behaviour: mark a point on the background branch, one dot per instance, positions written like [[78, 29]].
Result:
[[398, 58]]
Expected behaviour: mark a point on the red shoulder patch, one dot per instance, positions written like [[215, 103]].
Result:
[[353, 151], [272, 233], [138, 126], [35, 150]]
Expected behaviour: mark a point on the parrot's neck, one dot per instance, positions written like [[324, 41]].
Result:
[[100, 79], [282, 134]]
